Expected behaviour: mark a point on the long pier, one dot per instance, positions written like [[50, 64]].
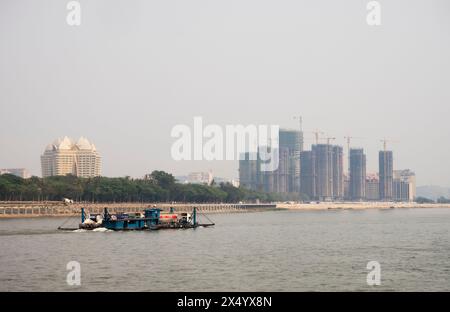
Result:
[[56, 208]]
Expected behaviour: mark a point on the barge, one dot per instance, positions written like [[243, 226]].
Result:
[[149, 219]]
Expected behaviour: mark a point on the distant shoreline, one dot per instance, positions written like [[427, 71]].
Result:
[[358, 205], [10, 210]]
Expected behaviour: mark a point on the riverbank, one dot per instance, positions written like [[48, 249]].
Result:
[[59, 209], [357, 205]]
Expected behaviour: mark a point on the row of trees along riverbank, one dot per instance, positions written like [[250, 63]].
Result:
[[159, 186]]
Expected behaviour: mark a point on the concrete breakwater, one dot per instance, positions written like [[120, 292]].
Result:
[[54, 209]]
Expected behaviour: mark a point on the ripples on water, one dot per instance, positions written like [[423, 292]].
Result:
[[264, 251]]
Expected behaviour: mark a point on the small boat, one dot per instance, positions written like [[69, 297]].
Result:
[[149, 219]]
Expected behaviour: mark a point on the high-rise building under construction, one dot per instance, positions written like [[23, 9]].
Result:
[[357, 186], [338, 175], [286, 178], [322, 172], [386, 172], [290, 145], [249, 171], [308, 174]]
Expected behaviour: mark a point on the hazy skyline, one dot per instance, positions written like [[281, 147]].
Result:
[[134, 69]]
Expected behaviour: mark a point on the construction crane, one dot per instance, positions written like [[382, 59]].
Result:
[[316, 135], [300, 121], [349, 138], [385, 141], [329, 139]]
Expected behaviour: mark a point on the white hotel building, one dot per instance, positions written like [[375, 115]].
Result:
[[65, 156]]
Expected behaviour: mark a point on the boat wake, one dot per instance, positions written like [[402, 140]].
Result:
[[79, 231], [102, 229], [94, 230]]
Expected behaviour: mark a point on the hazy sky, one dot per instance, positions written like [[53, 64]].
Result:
[[134, 69]]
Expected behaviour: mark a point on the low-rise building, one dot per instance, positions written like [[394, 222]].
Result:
[[404, 185], [200, 177], [20, 172], [372, 187]]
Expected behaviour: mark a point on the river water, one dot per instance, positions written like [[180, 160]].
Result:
[[261, 251]]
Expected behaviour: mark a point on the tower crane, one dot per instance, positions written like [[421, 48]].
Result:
[[385, 141], [329, 139], [300, 121], [316, 135], [348, 139]]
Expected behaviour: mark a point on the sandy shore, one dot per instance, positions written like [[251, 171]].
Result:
[[357, 206]]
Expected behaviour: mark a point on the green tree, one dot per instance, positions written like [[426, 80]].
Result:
[[158, 186]]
